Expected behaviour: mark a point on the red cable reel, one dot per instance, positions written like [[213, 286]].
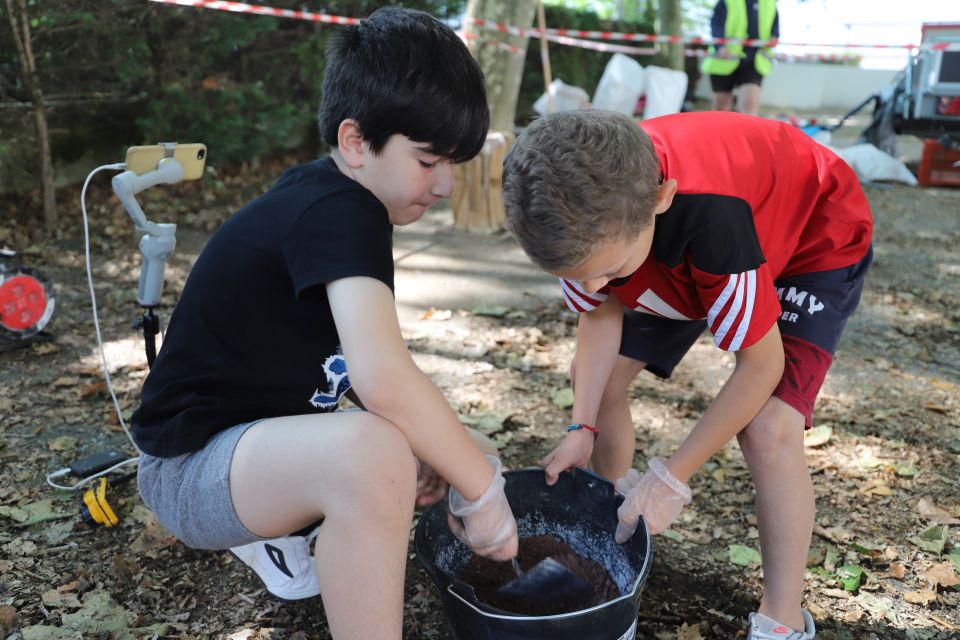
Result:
[[26, 302]]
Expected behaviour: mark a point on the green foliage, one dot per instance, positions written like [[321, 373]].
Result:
[[238, 123], [116, 73]]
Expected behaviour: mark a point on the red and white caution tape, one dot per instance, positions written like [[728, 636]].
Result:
[[503, 46], [816, 57], [646, 37], [602, 46], [570, 42], [243, 7], [568, 37], [649, 51]]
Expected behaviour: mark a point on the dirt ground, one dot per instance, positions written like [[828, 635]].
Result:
[[884, 458]]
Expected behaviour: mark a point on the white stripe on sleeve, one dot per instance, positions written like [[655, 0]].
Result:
[[731, 315], [744, 325], [581, 298], [722, 300]]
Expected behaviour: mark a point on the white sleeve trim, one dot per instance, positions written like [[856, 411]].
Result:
[[579, 300], [743, 288]]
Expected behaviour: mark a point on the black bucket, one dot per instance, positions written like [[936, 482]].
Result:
[[580, 510]]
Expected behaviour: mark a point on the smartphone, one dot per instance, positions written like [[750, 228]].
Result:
[[191, 156], [96, 463]]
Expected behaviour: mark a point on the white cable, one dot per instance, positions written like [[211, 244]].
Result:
[[120, 166], [62, 472]]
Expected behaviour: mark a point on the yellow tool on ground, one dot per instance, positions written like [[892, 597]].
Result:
[[98, 504]]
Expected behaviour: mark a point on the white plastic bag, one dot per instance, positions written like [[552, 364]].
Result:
[[621, 84], [871, 164], [666, 89], [565, 97]]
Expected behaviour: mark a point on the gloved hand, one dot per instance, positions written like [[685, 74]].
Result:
[[486, 524], [656, 495], [574, 451]]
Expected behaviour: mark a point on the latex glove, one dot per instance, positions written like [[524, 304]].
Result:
[[656, 495], [574, 451], [486, 524]]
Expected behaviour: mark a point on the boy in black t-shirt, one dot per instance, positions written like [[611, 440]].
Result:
[[288, 307]]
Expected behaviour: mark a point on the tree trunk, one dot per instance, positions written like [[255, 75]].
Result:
[[28, 70], [502, 69], [670, 25]]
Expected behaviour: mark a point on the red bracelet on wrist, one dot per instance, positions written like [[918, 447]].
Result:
[[582, 425]]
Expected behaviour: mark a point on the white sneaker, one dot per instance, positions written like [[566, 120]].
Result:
[[284, 564], [764, 628]]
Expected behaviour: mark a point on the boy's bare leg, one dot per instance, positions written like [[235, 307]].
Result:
[[773, 446], [613, 450], [357, 471], [748, 98], [722, 101]]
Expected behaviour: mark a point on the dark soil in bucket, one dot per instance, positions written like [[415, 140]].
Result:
[[486, 576]]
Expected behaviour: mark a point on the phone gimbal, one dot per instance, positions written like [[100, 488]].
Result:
[[156, 243]]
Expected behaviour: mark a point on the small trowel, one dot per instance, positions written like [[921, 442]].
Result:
[[548, 581]]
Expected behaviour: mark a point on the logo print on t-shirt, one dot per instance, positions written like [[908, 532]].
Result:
[[335, 368]]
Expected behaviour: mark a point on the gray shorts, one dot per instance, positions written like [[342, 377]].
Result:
[[190, 494]]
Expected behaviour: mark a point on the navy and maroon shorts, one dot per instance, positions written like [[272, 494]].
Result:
[[810, 332]]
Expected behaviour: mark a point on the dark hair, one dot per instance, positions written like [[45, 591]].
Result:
[[576, 179], [403, 71]]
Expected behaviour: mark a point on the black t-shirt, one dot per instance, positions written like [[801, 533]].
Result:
[[252, 335]]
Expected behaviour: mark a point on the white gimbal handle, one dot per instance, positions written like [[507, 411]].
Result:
[[159, 239], [128, 184]]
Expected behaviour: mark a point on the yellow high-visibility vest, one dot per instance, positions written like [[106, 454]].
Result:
[[736, 27]]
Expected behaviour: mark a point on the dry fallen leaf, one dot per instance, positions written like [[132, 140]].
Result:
[[63, 443], [928, 509], [92, 388], [436, 314], [924, 596], [942, 574], [689, 632], [54, 598], [8, 619], [45, 348], [817, 436], [876, 488], [943, 385], [937, 408], [833, 534], [153, 537], [897, 570]]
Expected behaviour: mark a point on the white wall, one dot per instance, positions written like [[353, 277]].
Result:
[[812, 86]]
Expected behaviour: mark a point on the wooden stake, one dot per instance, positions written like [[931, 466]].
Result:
[[545, 53]]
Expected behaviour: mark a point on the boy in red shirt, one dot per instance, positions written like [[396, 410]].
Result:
[[737, 224]]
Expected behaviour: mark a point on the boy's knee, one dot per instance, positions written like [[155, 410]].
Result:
[[771, 434], [381, 463]]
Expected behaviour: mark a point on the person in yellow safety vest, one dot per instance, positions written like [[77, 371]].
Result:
[[734, 66]]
